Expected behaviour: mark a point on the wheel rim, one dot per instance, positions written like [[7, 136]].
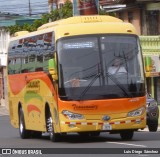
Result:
[[21, 127], [50, 126]]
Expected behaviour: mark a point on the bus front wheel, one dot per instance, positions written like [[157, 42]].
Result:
[[22, 128], [54, 137]]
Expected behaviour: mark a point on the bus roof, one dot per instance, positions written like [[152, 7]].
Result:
[[78, 25], [81, 19]]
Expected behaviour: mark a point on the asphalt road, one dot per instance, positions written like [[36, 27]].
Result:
[[9, 138]]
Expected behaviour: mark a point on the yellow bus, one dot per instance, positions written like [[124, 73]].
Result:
[[82, 74]]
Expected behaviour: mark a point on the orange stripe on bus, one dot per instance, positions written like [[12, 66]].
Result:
[[19, 81], [31, 108]]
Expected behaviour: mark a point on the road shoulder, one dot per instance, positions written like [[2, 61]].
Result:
[[3, 111]]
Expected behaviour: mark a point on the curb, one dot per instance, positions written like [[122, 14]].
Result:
[[146, 129]]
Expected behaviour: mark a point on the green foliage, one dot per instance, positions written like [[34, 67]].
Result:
[[62, 13], [111, 14], [102, 12], [14, 28]]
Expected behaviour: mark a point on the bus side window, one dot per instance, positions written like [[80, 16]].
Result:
[[17, 65], [11, 60], [44, 49], [39, 69], [31, 63], [24, 71], [39, 63], [10, 67]]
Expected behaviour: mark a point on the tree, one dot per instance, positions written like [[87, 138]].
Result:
[[14, 28]]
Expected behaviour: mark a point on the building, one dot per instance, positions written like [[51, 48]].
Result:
[[143, 14], [151, 53], [4, 39], [7, 19]]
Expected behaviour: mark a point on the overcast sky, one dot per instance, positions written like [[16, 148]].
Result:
[[22, 6]]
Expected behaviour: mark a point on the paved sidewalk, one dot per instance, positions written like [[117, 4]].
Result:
[[3, 111]]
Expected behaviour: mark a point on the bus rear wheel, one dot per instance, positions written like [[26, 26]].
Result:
[[127, 134], [54, 137], [22, 128], [153, 126]]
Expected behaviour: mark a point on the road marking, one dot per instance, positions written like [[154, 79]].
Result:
[[127, 144]]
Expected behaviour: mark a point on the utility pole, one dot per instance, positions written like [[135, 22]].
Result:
[[50, 8], [30, 10], [50, 5]]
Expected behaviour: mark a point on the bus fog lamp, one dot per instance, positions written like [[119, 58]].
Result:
[[71, 115]]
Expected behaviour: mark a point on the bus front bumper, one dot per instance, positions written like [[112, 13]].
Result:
[[92, 125]]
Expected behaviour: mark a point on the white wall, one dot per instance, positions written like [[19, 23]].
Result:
[[4, 40]]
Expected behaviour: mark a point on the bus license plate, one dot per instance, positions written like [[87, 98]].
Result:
[[107, 127]]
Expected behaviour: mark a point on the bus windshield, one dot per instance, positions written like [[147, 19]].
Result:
[[100, 67]]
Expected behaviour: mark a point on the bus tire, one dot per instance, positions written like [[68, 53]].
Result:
[[153, 126], [22, 128], [54, 137], [127, 134]]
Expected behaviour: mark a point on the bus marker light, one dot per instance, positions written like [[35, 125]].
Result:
[[129, 30], [66, 33]]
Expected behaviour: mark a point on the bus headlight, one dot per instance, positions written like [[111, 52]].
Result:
[[71, 115], [137, 112]]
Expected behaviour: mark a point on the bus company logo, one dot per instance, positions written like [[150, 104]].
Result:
[[106, 118], [33, 86], [84, 107], [134, 100]]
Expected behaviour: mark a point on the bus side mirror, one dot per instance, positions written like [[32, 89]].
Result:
[[52, 69]]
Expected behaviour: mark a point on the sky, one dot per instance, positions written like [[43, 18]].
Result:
[[22, 6]]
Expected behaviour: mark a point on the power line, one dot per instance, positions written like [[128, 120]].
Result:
[[20, 8], [5, 7]]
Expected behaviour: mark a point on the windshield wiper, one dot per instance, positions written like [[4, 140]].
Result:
[[117, 83], [89, 85]]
